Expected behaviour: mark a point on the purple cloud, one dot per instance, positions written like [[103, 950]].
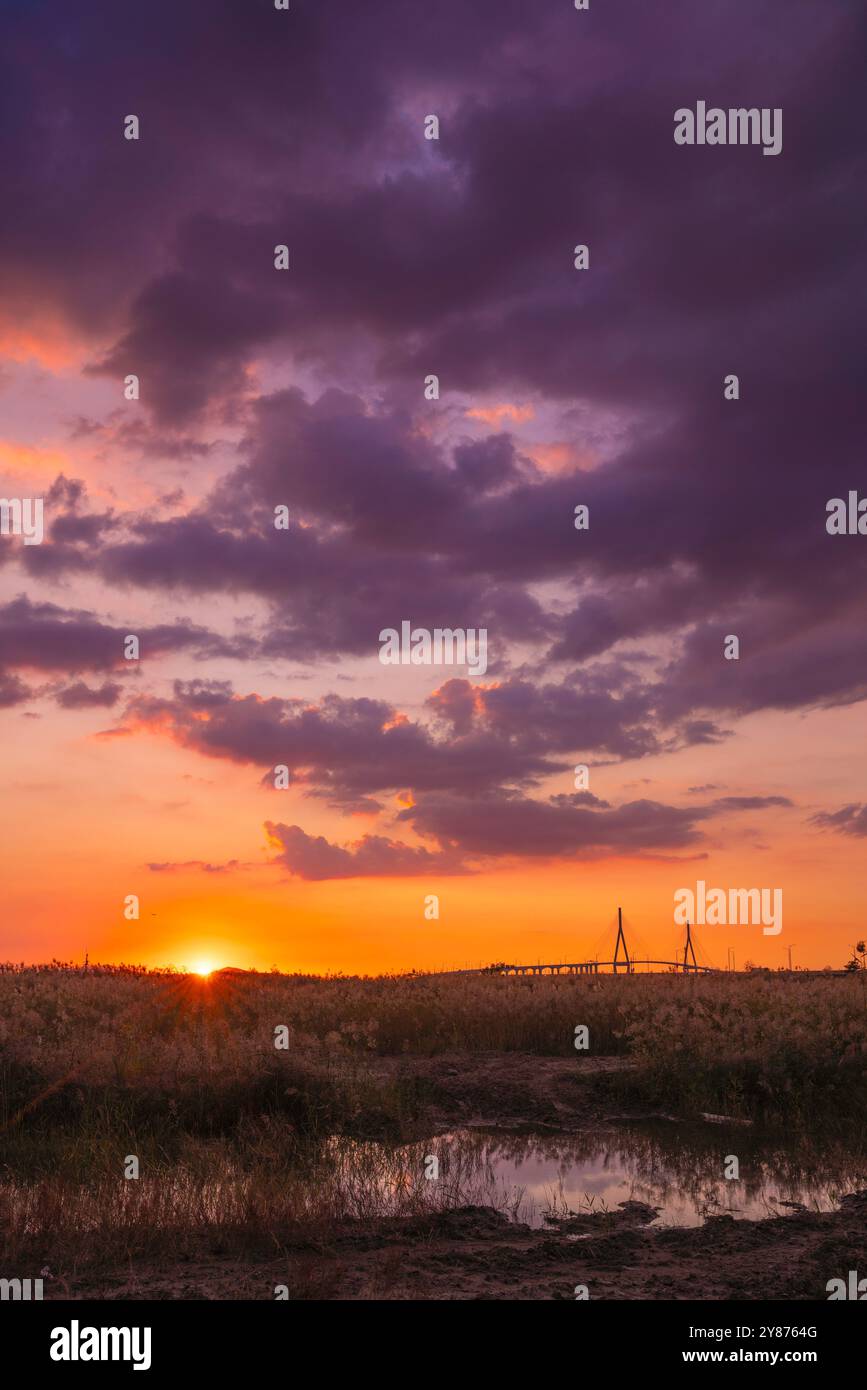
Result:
[[849, 820], [373, 856]]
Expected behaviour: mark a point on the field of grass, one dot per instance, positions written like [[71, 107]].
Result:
[[234, 1136], [753, 1042]]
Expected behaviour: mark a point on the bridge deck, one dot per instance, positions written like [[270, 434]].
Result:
[[593, 967]]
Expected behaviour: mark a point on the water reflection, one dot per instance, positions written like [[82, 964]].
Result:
[[682, 1173]]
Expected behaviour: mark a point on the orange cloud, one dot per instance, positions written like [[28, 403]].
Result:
[[48, 343], [395, 722], [559, 457], [27, 458], [494, 414]]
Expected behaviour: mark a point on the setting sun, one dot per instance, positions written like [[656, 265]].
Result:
[[203, 968]]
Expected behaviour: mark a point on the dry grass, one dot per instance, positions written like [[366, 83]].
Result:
[[176, 1032], [233, 1134], [257, 1191]]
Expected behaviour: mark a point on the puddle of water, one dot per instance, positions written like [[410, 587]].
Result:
[[678, 1169], [680, 1172]]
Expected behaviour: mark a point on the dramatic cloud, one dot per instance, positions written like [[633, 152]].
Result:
[[472, 830], [454, 788], [313, 857], [81, 696], [507, 823], [46, 637], [342, 748], [849, 820], [305, 389]]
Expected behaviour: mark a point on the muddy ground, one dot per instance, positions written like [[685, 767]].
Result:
[[476, 1253], [508, 1090]]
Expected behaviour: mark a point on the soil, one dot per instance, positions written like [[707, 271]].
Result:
[[508, 1090], [476, 1253]]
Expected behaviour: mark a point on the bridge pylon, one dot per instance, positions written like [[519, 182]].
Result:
[[621, 938], [689, 950]]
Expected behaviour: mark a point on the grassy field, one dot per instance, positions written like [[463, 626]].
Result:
[[757, 1043], [235, 1136]]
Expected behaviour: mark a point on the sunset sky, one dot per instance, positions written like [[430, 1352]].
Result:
[[305, 388]]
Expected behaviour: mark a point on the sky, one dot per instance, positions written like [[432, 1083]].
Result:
[[432, 816]]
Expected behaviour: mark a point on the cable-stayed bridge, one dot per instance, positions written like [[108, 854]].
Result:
[[623, 962]]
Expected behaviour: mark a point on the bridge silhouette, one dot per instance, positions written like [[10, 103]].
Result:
[[621, 963]]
